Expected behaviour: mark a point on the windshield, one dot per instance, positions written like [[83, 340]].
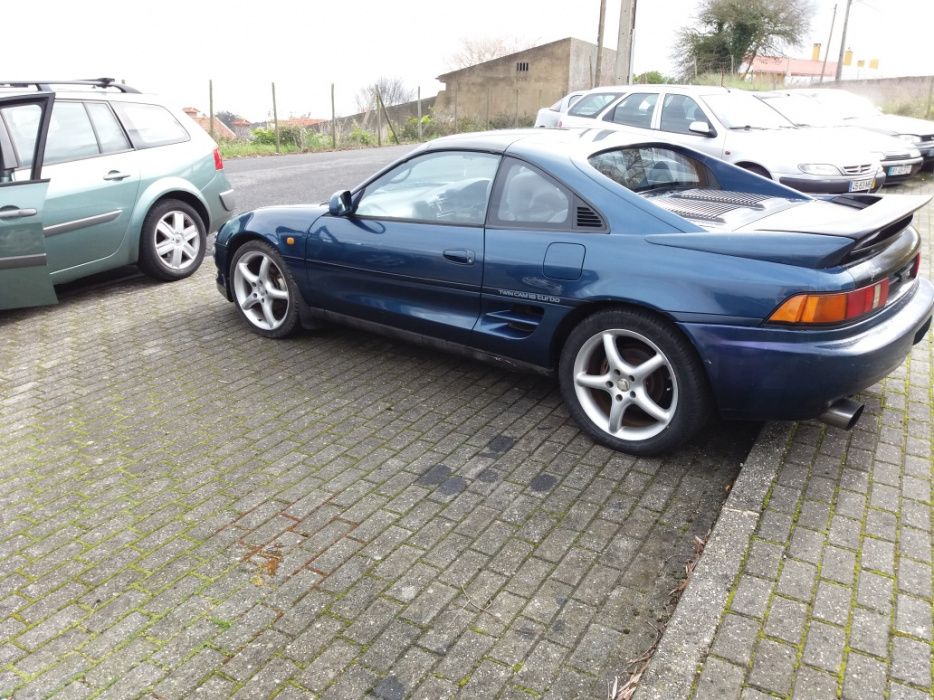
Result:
[[740, 110], [802, 111], [846, 105]]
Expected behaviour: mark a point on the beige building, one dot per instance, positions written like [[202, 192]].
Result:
[[511, 89]]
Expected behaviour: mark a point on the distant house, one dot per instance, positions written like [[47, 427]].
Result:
[[514, 87], [804, 71], [221, 130], [243, 128], [303, 122]]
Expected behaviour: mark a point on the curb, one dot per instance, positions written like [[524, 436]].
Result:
[[689, 634]]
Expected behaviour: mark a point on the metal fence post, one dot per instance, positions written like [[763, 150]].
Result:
[[333, 121], [275, 116], [419, 126], [211, 106]]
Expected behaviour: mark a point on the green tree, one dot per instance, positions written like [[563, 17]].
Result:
[[730, 32], [227, 117]]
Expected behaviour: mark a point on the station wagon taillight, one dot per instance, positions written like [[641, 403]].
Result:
[[218, 161], [832, 308]]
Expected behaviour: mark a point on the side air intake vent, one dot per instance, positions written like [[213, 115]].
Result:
[[587, 218]]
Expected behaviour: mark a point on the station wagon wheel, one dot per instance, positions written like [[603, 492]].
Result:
[[264, 291], [172, 241], [633, 382]]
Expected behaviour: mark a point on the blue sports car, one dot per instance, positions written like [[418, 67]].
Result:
[[658, 283]]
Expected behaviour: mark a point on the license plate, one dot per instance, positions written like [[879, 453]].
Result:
[[899, 170], [860, 185]]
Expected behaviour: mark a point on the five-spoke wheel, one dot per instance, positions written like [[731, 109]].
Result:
[[263, 289], [633, 382]]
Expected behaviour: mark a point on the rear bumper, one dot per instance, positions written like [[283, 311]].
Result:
[[765, 373]]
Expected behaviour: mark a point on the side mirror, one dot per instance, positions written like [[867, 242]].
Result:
[[702, 128], [340, 203]]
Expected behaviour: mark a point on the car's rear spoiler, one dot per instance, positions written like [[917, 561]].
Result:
[[874, 214]]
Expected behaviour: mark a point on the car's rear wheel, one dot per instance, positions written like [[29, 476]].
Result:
[[264, 291], [173, 240], [633, 382]]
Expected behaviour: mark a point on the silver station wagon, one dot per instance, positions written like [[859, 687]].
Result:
[[96, 176]]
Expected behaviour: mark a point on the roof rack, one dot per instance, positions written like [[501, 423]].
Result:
[[46, 85]]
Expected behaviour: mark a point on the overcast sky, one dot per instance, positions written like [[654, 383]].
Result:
[[173, 47]]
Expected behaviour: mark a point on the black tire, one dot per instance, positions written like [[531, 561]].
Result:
[[672, 385], [264, 290], [172, 241], [757, 169]]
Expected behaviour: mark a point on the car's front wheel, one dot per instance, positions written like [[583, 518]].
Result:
[[172, 243], [264, 291], [633, 382]]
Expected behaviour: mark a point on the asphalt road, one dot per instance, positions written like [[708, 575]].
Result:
[[303, 178]]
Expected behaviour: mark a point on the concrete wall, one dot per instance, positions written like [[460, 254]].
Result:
[[495, 91], [891, 93], [583, 64]]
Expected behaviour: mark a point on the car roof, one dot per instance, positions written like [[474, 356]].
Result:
[[666, 87], [569, 141]]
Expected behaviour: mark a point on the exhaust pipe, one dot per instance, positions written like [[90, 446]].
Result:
[[842, 413]]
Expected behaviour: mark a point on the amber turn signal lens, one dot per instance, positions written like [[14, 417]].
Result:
[[832, 308]]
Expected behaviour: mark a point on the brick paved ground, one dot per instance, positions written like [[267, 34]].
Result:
[[832, 589], [188, 510]]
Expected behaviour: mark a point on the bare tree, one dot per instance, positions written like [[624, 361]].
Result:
[[392, 91], [474, 51]]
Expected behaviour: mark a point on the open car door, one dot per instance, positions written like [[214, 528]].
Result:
[[24, 274]]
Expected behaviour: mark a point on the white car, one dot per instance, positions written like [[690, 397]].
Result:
[[900, 158], [853, 110], [736, 127], [548, 116]]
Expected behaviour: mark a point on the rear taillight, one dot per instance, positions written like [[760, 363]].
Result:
[[218, 161], [832, 308], [916, 266]]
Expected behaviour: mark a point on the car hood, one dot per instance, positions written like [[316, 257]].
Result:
[[895, 123], [804, 145], [874, 141]]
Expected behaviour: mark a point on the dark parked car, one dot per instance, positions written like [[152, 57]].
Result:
[[660, 284]]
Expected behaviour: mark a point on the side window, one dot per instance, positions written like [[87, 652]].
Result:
[[451, 187], [592, 105], [22, 124], [678, 111], [634, 110], [150, 125], [529, 198], [71, 136], [109, 132], [645, 168]]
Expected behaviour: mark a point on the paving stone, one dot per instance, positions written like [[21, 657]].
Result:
[[797, 579], [813, 683], [878, 555], [786, 620], [773, 667], [719, 679], [913, 617], [838, 565], [864, 679], [735, 639], [832, 603], [870, 632], [824, 646], [911, 661], [875, 592], [752, 596]]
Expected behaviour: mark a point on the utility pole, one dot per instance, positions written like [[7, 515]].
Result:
[[823, 68], [627, 25], [846, 19], [598, 71]]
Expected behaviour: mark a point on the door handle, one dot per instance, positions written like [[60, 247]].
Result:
[[116, 175], [16, 213], [460, 255]]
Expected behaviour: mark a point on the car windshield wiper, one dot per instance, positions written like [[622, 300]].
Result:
[[667, 186]]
